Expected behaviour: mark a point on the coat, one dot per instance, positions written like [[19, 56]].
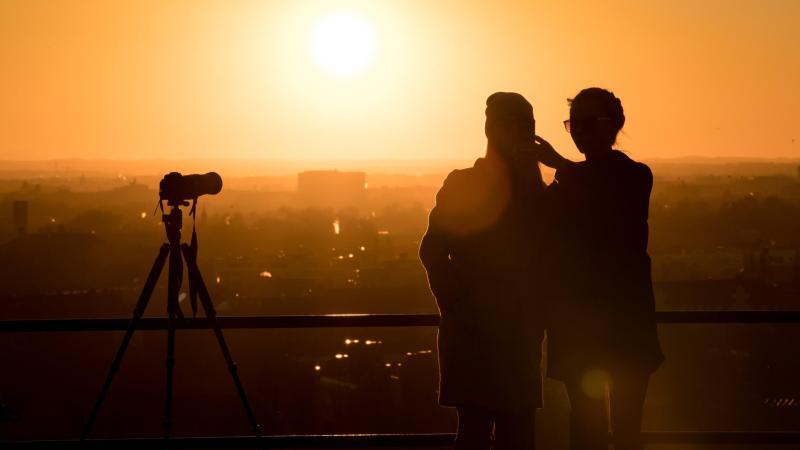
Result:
[[603, 308], [481, 271]]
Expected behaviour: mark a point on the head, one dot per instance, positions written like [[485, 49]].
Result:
[[509, 122], [595, 119]]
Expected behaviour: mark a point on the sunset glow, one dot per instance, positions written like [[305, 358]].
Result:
[[360, 80]]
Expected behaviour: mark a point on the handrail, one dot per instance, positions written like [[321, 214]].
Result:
[[386, 440], [360, 320]]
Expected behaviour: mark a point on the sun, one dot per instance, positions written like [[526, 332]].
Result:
[[343, 44]]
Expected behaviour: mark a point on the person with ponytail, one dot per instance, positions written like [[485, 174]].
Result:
[[601, 331]]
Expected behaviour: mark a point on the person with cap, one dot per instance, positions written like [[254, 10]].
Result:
[[479, 254]]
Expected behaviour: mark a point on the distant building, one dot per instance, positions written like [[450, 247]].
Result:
[[331, 189], [20, 216]]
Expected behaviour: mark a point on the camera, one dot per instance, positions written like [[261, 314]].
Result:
[[176, 188]]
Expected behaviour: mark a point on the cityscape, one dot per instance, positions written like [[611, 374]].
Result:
[[340, 242]]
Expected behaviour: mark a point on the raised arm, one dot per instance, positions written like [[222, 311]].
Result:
[[540, 150]]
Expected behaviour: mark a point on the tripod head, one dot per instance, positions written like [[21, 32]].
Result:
[[173, 222], [177, 190]]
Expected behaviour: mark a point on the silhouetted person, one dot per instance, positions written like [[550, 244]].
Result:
[[476, 253], [602, 330]]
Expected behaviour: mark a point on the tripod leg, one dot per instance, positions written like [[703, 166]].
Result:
[[197, 279], [173, 290], [138, 311]]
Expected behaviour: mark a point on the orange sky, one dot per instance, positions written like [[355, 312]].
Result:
[[216, 79]]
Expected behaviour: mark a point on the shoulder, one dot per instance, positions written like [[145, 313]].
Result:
[[642, 173], [461, 178], [457, 178], [455, 182], [635, 170]]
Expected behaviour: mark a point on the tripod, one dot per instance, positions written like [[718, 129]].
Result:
[[177, 252]]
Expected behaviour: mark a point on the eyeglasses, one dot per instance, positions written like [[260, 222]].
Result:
[[580, 124]]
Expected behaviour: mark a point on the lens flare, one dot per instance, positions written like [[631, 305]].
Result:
[[594, 383]]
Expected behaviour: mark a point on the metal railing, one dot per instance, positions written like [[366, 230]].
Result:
[[375, 440], [359, 321]]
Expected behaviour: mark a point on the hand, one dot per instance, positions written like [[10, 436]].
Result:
[[541, 151]]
